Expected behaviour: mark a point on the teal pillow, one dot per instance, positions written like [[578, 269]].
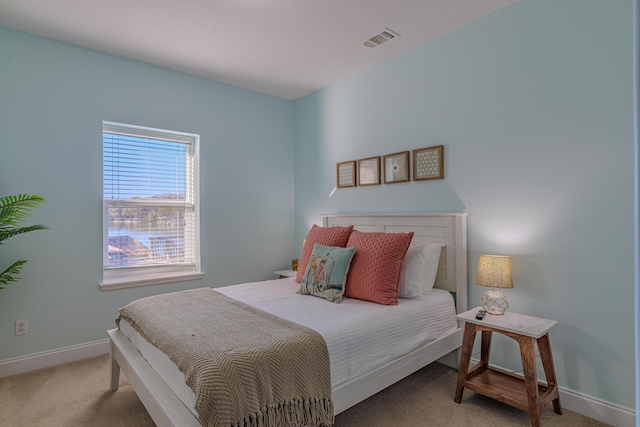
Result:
[[326, 272]]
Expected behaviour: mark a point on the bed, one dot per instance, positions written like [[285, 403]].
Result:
[[168, 401]]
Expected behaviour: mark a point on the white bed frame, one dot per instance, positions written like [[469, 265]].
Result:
[[449, 228]]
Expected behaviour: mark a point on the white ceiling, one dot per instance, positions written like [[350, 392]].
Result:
[[285, 48]]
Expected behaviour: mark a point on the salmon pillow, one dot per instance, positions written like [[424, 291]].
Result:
[[328, 236], [375, 269]]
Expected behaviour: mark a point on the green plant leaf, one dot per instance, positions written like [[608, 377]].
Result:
[[13, 211], [5, 233], [9, 275], [16, 209]]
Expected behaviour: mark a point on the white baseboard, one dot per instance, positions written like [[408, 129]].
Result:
[[592, 407], [52, 358], [598, 409]]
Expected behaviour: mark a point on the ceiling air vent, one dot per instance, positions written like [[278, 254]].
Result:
[[380, 38]]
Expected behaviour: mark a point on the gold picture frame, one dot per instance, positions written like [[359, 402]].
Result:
[[396, 167], [346, 174], [369, 171], [428, 163]]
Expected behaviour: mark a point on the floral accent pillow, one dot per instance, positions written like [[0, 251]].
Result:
[[330, 236], [326, 272]]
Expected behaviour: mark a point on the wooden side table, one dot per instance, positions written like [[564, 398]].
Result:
[[282, 274], [525, 393]]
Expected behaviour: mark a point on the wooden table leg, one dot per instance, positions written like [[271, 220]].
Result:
[[485, 349], [465, 358], [528, 355], [549, 371]]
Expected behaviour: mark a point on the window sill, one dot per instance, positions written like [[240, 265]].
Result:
[[149, 279]]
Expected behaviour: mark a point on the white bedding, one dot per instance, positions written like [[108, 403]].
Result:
[[360, 335]]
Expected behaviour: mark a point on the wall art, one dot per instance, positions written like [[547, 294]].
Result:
[[428, 163], [346, 174], [369, 171], [396, 167]]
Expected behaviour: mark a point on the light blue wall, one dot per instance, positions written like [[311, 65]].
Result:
[[636, 174], [53, 99], [533, 105]]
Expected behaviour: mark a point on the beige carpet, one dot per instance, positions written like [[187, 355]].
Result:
[[76, 394]]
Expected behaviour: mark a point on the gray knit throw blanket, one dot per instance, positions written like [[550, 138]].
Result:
[[246, 367]]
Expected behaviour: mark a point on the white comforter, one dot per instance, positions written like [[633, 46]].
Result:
[[360, 335]]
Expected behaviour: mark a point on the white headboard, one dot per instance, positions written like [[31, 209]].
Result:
[[447, 228]]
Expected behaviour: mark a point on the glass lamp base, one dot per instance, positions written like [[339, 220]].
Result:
[[495, 302]]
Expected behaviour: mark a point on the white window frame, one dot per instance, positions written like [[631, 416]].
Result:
[[127, 277]]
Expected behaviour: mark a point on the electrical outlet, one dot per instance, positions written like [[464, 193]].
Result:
[[21, 327]]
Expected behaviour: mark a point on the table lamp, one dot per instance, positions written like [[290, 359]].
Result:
[[494, 271]]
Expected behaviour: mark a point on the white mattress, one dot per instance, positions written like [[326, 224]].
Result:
[[360, 335]]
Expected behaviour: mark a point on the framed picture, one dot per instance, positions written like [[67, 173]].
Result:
[[369, 171], [396, 167], [346, 174], [428, 163]]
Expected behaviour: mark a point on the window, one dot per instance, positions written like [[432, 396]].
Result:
[[150, 206]]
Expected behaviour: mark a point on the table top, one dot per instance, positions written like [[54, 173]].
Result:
[[286, 273], [521, 324]]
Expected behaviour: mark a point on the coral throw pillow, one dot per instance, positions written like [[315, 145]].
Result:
[[376, 266], [328, 236]]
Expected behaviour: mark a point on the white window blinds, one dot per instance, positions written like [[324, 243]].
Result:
[[150, 199]]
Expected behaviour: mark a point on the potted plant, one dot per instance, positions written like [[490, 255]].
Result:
[[13, 211]]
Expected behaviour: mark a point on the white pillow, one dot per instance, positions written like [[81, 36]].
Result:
[[419, 270], [432, 251], [412, 274]]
